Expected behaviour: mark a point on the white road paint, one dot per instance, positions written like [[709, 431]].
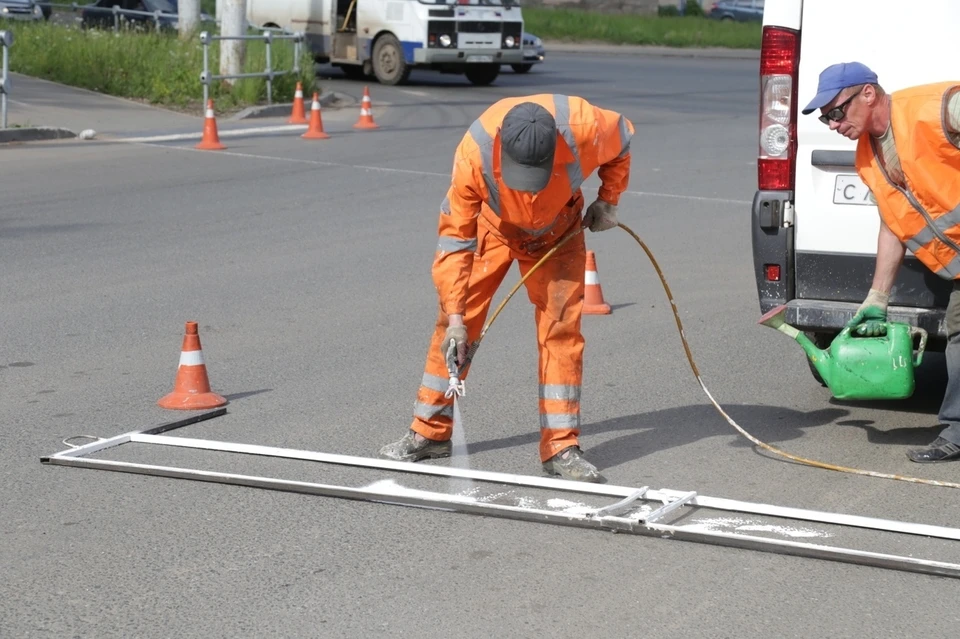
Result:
[[744, 525], [227, 133], [383, 169], [419, 94], [730, 524]]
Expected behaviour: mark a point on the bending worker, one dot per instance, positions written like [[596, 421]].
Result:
[[515, 193], [908, 156]]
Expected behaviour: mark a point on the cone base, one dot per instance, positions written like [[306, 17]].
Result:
[[210, 146], [597, 309], [315, 135], [366, 125], [191, 401], [297, 121]]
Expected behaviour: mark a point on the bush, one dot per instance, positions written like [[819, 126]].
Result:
[[158, 68], [668, 11], [693, 9]]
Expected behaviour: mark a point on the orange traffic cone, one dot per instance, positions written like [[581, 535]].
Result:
[[593, 303], [315, 130], [211, 139], [366, 114], [297, 116], [191, 390]]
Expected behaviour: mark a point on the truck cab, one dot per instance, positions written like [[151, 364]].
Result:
[[389, 38], [814, 223]]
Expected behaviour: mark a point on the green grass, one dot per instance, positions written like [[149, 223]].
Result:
[[573, 25], [157, 68]]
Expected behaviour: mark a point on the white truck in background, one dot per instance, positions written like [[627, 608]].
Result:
[[814, 224], [389, 38]]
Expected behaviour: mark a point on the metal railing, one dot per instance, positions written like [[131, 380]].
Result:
[[6, 41], [269, 73]]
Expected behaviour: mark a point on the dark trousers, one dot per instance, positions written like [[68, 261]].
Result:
[[950, 408]]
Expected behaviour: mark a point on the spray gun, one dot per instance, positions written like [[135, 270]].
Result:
[[456, 385]]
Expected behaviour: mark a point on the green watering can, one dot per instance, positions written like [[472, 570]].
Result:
[[855, 367]]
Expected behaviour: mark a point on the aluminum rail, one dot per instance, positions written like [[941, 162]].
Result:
[[604, 518]]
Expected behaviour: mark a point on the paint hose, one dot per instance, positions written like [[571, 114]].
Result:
[[696, 372]]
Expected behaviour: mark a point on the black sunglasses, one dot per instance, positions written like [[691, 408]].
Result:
[[838, 112]]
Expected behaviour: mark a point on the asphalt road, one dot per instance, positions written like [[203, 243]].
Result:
[[307, 265]]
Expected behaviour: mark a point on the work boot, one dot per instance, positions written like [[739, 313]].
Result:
[[570, 464], [408, 449], [940, 450]]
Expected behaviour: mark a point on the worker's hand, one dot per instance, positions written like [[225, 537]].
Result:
[[600, 216], [870, 319], [459, 335]]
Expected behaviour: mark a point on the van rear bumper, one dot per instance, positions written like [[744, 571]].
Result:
[[820, 316]]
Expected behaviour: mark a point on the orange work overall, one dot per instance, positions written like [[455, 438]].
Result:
[[484, 226]]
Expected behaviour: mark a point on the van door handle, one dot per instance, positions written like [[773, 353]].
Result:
[[823, 157]]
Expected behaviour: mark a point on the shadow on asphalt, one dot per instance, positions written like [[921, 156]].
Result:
[[662, 430]]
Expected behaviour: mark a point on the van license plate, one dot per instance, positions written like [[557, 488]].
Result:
[[479, 58], [850, 189]]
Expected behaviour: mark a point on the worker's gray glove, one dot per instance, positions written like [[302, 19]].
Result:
[[600, 216], [459, 335], [870, 319]]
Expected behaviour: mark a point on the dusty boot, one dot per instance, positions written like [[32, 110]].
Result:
[[408, 449], [570, 464]]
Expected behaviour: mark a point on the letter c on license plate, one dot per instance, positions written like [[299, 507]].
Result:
[[850, 189]]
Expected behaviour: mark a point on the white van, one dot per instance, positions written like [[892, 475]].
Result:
[[389, 38], [814, 223]]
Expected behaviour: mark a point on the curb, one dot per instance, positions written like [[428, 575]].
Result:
[[328, 99], [34, 134], [600, 48]]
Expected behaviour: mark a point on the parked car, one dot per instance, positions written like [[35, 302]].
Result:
[[20, 10], [99, 14], [737, 10], [533, 53]]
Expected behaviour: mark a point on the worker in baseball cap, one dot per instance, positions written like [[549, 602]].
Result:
[[908, 155], [515, 192]]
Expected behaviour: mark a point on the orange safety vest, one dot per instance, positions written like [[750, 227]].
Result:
[[925, 214], [588, 138]]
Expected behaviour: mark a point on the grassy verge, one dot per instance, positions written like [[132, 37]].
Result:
[[573, 25], [156, 68]]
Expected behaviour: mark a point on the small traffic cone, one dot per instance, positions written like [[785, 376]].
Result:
[[297, 116], [191, 390], [315, 130], [211, 139], [593, 303], [366, 114]]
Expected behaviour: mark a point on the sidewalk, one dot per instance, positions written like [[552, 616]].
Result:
[[40, 103], [44, 110]]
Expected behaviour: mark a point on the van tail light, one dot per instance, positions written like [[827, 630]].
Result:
[[779, 62]]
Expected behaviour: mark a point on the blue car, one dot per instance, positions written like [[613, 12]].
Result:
[[533, 53]]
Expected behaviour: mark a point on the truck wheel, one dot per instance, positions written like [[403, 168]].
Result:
[[389, 65], [521, 68], [482, 74], [820, 340]]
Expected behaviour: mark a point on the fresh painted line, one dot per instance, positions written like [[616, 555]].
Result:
[[227, 133], [426, 173]]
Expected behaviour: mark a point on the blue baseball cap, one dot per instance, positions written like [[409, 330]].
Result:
[[835, 79]]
